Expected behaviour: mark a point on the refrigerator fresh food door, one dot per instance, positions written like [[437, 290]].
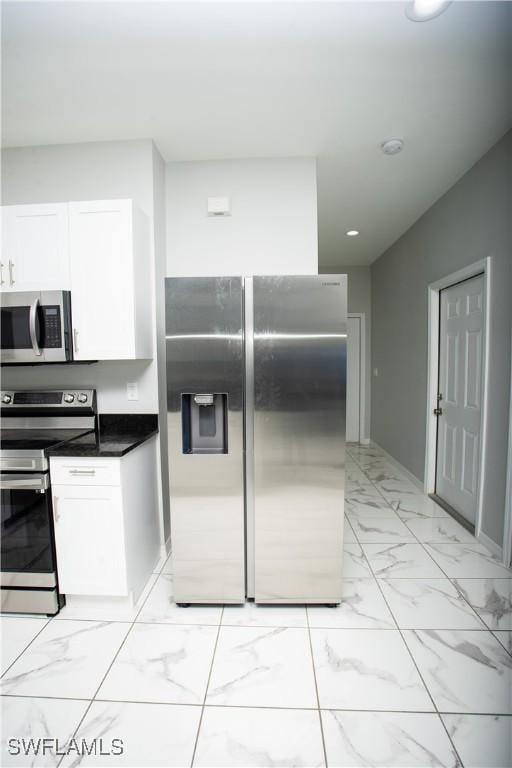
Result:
[[204, 349], [296, 394]]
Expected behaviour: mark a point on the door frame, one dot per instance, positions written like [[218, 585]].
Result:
[[363, 439], [472, 270], [507, 533]]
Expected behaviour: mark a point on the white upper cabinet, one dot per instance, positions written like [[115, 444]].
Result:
[[98, 250], [110, 279], [35, 252]]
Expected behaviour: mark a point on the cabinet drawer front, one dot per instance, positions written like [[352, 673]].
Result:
[[85, 472]]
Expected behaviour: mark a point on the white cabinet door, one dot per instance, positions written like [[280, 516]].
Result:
[[35, 248], [102, 279], [89, 538]]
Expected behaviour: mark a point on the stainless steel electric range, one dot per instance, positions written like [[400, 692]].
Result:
[[32, 422]]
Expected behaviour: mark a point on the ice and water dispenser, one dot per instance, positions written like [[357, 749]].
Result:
[[204, 423]]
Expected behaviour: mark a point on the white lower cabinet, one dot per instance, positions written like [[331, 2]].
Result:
[[106, 520], [89, 537]]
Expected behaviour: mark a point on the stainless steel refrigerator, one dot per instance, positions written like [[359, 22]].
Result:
[[256, 392]]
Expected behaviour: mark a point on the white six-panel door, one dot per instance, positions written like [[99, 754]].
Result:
[[461, 340]]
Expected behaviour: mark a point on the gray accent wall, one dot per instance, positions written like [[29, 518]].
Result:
[[471, 221]]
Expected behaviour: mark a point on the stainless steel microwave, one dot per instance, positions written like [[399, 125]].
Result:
[[36, 327]]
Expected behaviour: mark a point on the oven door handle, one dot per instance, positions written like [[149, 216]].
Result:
[[32, 326], [24, 482]]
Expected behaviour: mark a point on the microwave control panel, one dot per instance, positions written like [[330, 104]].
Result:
[[52, 329]]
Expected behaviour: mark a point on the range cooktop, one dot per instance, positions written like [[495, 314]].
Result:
[[21, 440], [35, 420]]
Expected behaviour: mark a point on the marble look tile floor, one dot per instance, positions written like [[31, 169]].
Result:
[[414, 668]]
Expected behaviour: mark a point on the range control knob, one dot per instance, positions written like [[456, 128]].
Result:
[[69, 397], [6, 398], [82, 397]]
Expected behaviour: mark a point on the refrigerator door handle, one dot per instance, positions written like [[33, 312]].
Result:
[[249, 436]]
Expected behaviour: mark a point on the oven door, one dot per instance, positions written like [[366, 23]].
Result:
[[36, 327], [27, 542]]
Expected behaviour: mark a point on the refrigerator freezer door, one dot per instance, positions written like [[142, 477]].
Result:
[[299, 395], [204, 349]]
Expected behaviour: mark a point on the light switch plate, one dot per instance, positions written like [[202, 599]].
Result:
[[375, 371], [132, 391]]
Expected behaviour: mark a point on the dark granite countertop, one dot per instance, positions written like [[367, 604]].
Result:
[[117, 435]]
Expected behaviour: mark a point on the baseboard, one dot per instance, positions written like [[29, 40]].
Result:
[[490, 544], [365, 441], [409, 475], [453, 513]]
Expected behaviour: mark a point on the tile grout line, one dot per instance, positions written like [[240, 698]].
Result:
[[25, 647], [349, 523], [493, 632], [206, 690], [408, 649], [91, 701], [257, 706], [134, 621], [417, 541], [417, 668], [452, 581], [316, 688], [422, 679], [458, 589]]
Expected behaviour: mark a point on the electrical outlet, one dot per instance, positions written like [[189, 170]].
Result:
[[132, 391]]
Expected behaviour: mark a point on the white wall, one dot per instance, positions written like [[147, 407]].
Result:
[[359, 296], [160, 268], [99, 170], [273, 224]]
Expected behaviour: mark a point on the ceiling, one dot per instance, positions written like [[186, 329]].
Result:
[[237, 80]]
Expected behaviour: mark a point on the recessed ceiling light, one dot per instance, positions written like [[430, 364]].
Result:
[[424, 10], [392, 146], [352, 233]]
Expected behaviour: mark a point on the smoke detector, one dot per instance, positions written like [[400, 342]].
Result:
[[219, 206], [392, 146]]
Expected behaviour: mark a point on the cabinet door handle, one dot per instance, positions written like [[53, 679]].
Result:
[[82, 471], [11, 272], [75, 339], [56, 512], [2, 281]]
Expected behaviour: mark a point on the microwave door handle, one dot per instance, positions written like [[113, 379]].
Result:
[[32, 326]]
